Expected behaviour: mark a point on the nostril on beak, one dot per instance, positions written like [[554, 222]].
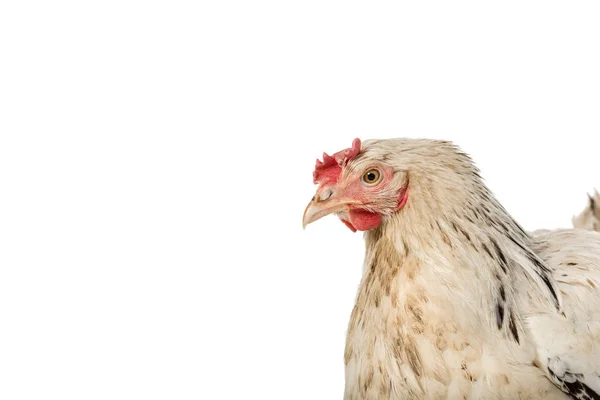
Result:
[[325, 195]]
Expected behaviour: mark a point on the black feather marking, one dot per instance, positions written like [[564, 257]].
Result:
[[468, 237], [520, 245], [454, 227], [542, 270], [513, 328], [579, 390], [501, 256], [572, 385], [499, 315], [487, 250], [550, 287], [465, 234], [536, 261], [502, 294], [531, 257]]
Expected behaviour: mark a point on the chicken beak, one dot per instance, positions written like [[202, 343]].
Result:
[[323, 204]]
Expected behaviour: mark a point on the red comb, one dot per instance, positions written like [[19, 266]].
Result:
[[330, 168]]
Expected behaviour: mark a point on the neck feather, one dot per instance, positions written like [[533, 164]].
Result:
[[462, 229]]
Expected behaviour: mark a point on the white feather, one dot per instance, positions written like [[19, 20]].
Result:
[[458, 301]]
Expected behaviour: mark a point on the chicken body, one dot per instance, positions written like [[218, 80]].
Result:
[[457, 301], [443, 334]]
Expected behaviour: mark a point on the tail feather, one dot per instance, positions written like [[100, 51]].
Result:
[[589, 218]]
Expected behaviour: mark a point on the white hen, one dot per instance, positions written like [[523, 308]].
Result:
[[457, 301]]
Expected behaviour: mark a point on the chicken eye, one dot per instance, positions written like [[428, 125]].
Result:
[[371, 177]]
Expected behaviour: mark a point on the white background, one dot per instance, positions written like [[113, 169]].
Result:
[[156, 158]]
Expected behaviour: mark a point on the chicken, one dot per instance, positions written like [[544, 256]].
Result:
[[590, 217], [457, 301]]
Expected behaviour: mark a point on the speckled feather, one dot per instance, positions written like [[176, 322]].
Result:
[[457, 301]]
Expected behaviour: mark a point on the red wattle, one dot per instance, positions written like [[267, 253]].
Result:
[[349, 225], [364, 220]]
